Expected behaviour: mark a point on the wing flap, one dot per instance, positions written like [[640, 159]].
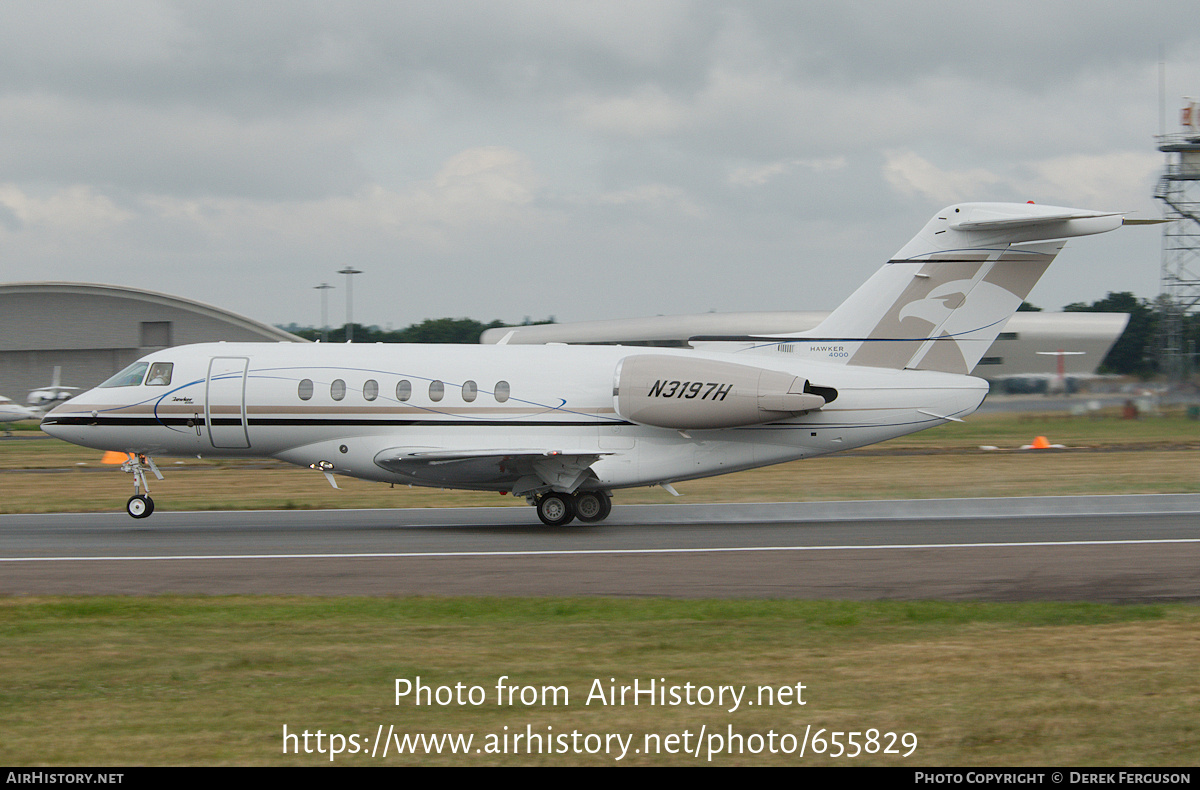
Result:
[[516, 471]]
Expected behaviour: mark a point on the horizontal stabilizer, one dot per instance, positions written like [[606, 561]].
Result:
[[986, 216], [994, 226]]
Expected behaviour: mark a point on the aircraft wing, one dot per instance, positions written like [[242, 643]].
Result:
[[519, 471]]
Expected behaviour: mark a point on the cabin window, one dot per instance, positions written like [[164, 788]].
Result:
[[992, 361], [305, 390], [501, 391], [436, 390], [337, 390], [129, 377], [160, 374], [469, 391], [371, 389], [403, 390]]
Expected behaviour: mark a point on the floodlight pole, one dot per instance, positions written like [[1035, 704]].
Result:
[[349, 271], [323, 287]]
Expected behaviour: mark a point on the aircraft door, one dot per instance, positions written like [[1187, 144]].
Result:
[[225, 402]]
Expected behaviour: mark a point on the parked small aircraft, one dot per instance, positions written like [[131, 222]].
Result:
[[564, 426], [12, 412], [46, 398]]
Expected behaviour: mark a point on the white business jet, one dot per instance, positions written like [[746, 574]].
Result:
[[564, 426], [12, 412]]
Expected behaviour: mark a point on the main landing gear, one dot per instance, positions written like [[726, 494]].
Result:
[[556, 510], [140, 505]]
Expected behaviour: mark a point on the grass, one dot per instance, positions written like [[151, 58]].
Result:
[[213, 680]]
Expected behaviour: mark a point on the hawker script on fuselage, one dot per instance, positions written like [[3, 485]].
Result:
[[564, 426]]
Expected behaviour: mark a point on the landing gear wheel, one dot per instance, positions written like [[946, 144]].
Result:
[[555, 509], [592, 506], [139, 506]]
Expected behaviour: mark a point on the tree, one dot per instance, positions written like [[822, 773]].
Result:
[[443, 330], [431, 330], [1133, 353]]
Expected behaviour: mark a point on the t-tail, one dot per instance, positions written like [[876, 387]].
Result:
[[942, 300]]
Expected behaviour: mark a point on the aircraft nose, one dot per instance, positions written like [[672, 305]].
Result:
[[50, 425], [55, 424]]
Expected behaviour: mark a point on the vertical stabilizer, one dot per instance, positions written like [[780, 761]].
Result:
[[941, 301]]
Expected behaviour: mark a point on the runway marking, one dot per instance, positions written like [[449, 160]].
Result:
[[581, 552]]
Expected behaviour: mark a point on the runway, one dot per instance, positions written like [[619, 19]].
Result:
[[1116, 549]]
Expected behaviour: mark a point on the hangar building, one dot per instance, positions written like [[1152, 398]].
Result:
[[93, 331]]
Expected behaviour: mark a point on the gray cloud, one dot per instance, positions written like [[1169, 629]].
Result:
[[585, 160]]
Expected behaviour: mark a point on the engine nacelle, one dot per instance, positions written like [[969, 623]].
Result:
[[682, 393]]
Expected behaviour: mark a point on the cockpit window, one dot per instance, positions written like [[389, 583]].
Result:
[[160, 374], [129, 377]]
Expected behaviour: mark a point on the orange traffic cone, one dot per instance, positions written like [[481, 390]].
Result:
[[1040, 443]]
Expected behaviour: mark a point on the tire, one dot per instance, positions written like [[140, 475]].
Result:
[[555, 509], [139, 506], [592, 506]]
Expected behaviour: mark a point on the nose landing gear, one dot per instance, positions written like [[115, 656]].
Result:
[[140, 505]]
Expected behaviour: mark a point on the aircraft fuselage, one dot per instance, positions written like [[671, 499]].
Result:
[[340, 406]]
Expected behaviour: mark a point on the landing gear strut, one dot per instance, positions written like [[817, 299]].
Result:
[[556, 509], [140, 505]]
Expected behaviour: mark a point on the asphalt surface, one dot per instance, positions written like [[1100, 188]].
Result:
[[1117, 549]]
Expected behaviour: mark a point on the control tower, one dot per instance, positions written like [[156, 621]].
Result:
[[1179, 283]]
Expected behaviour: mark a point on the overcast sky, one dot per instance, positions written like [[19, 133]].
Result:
[[583, 160]]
